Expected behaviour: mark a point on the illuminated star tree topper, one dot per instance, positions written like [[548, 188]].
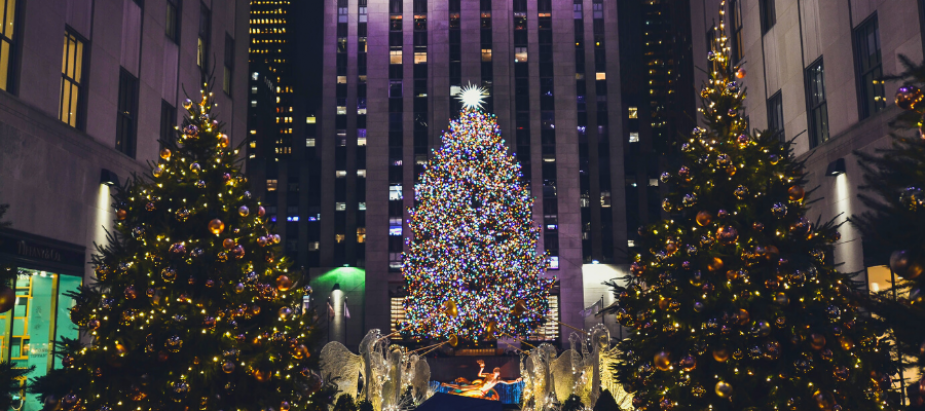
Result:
[[472, 268], [472, 96]]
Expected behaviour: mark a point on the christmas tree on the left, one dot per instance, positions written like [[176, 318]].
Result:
[[194, 307]]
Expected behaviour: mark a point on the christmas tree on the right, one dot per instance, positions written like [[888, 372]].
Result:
[[894, 225], [735, 304]]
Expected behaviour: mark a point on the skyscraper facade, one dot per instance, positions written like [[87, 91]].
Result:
[[552, 76]]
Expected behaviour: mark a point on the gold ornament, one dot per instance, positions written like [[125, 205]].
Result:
[[846, 343], [520, 306], [283, 283], [243, 211], [688, 363], [157, 171], [228, 243], [121, 214], [727, 235], [165, 153], [262, 376], [262, 241], [450, 309], [715, 265], [817, 341], [704, 218], [187, 104], [223, 140], [907, 97], [723, 389], [740, 73], [662, 361], [721, 354], [216, 226], [284, 406], [491, 328], [796, 193], [906, 265]]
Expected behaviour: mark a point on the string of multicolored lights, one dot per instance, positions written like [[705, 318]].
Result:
[[472, 254]]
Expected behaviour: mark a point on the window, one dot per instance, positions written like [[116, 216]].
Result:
[[816, 108], [71, 79], [634, 136], [340, 206], [313, 246], [486, 55], [395, 261], [361, 235], [420, 57], [869, 68], [38, 319], [339, 238], [127, 117], [605, 198], [776, 115], [600, 76], [395, 89], [738, 47], [361, 173], [229, 64], [7, 29], [272, 184], [550, 330], [205, 31], [395, 193], [172, 23], [309, 142], [168, 118], [520, 54], [768, 14], [634, 112], [361, 206], [395, 57]]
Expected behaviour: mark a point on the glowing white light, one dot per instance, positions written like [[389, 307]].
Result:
[[472, 96]]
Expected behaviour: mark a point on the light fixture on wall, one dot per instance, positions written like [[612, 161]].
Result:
[[836, 167], [108, 178]]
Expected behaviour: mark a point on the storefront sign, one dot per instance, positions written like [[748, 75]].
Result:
[[24, 249]]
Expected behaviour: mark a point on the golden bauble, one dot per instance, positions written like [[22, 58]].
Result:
[[723, 389], [715, 264], [688, 363], [491, 328], [721, 354], [450, 309], [285, 406], [817, 341], [796, 193], [662, 361], [165, 153], [520, 306], [283, 283], [157, 171], [906, 265], [216, 226], [907, 97], [223, 140], [740, 73], [121, 214], [262, 376], [228, 243], [243, 211], [727, 235]]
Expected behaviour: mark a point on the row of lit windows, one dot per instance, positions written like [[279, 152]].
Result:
[[274, 30], [267, 21]]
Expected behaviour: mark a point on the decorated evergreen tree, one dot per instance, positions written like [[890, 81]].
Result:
[[735, 303], [472, 269], [894, 226], [194, 308]]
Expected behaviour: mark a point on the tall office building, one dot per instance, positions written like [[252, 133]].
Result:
[[87, 90], [281, 162], [813, 76], [657, 79], [551, 70]]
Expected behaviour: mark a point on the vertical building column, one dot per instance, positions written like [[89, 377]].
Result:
[[438, 55], [615, 129], [470, 16], [571, 287]]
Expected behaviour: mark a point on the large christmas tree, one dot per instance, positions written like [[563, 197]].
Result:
[[894, 226], [194, 307], [735, 303], [472, 269]]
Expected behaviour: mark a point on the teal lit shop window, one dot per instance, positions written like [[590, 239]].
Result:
[[40, 316]]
